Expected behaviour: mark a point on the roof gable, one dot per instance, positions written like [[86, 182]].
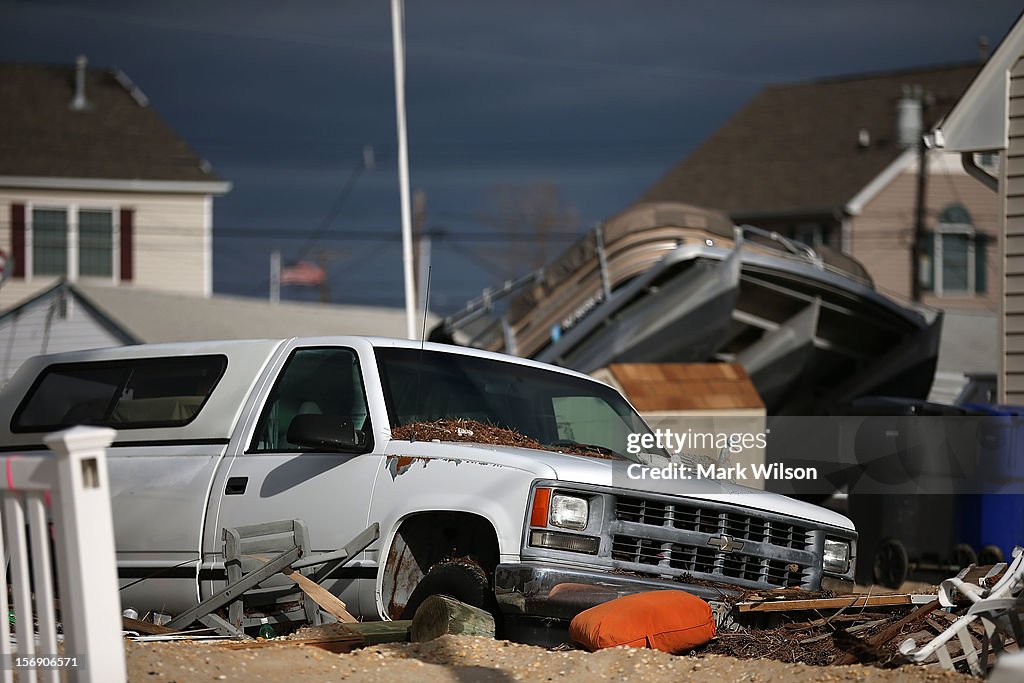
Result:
[[118, 136], [795, 149], [979, 119]]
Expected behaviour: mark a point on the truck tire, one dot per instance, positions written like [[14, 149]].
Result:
[[463, 580]]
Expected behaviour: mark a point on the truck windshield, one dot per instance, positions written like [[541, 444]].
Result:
[[553, 409]]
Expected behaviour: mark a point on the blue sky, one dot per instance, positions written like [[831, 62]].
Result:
[[594, 99]]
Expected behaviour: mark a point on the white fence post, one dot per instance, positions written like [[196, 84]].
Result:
[[86, 560]]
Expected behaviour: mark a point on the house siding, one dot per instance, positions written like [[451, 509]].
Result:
[[1013, 255], [880, 236], [171, 234], [53, 324]]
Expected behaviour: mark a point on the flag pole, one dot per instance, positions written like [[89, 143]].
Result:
[[398, 41], [275, 276]]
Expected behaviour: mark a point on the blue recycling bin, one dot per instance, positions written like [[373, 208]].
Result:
[[990, 519]]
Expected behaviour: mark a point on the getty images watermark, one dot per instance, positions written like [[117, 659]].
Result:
[[684, 464]]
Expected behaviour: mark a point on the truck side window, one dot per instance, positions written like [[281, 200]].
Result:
[[324, 381], [126, 394]]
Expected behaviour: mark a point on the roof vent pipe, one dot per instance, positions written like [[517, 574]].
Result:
[[909, 118], [982, 48], [80, 103]]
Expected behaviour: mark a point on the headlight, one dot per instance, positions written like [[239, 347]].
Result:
[[569, 512], [836, 558]]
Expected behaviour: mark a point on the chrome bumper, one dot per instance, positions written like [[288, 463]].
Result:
[[561, 592]]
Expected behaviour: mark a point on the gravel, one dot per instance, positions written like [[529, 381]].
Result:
[[467, 659]]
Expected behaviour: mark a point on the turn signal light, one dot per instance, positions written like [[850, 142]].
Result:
[[541, 503]]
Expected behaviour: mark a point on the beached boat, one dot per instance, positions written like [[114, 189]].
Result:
[[670, 282]]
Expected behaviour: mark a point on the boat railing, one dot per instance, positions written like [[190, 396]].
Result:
[[484, 304], [792, 246]]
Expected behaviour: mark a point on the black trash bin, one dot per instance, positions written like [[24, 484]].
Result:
[[903, 498]]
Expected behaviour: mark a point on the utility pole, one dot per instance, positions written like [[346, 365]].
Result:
[[911, 135], [920, 231]]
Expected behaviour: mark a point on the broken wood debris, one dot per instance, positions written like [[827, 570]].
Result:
[[891, 631], [329, 602], [145, 628], [334, 643], [857, 628]]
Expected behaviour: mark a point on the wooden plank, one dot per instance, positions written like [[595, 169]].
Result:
[[890, 631], [339, 644], [321, 596], [145, 628], [826, 603], [376, 632]]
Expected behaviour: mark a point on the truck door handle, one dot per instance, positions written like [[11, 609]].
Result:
[[236, 486]]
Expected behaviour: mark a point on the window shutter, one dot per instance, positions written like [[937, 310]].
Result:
[[927, 273], [980, 262], [127, 226], [18, 239]]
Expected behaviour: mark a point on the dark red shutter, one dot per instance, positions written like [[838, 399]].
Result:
[[18, 239], [127, 241]]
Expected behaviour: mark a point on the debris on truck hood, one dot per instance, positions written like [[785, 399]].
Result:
[[472, 431]]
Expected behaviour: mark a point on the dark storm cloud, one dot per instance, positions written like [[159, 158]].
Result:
[[597, 97]]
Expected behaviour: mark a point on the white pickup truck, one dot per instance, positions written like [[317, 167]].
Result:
[[220, 434]]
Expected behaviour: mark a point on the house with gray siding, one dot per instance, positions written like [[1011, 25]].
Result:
[[70, 316], [823, 162]]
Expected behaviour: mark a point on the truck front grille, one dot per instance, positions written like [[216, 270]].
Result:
[[711, 541]]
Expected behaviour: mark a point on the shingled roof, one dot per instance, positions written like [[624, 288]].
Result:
[[794, 149], [119, 136]]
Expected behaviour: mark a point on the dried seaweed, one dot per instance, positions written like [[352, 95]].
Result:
[[821, 641], [473, 431]]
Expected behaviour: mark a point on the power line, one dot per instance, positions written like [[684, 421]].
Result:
[[673, 72]]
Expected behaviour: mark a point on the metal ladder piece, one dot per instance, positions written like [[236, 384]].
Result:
[[246, 551]]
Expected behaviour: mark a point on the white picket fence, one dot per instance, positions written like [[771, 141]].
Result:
[[69, 485]]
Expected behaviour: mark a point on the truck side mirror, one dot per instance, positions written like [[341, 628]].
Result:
[[325, 432]]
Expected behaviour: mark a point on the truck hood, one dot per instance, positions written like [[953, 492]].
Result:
[[600, 472]]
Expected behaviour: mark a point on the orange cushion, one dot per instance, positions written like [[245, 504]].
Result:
[[671, 621]]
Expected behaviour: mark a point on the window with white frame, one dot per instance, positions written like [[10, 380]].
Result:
[[50, 241], [955, 258], [72, 242]]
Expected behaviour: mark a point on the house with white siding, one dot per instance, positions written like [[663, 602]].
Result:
[[988, 121], [96, 188], [823, 162]]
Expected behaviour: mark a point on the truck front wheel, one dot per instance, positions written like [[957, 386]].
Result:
[[463, 580]]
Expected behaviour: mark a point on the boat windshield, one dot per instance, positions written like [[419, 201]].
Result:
[[556, 410]]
